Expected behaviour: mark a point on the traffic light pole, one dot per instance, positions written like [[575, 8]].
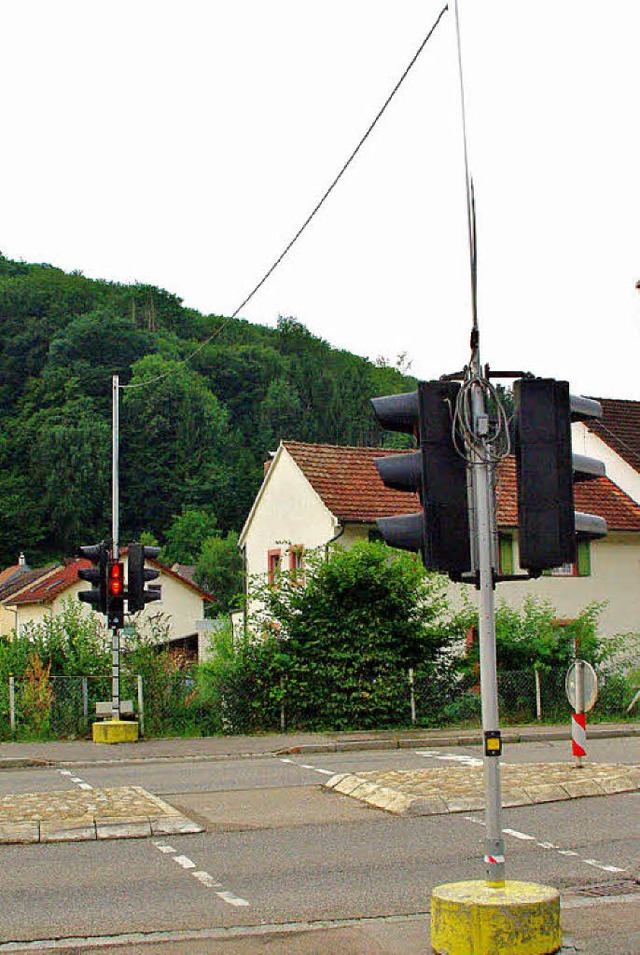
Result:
[[115, 531], [484, 504]]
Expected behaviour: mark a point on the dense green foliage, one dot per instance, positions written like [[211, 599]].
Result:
[[193, 435]]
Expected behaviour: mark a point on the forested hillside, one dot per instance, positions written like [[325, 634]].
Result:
[[195, 438]]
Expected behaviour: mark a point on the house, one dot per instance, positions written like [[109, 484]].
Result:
[[181, 609], [614, 439], [314, 494]]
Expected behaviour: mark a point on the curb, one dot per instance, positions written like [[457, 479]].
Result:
[[400, 803]]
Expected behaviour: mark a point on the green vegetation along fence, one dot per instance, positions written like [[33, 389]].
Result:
[[64, 706]]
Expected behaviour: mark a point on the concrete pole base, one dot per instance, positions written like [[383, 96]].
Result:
[[115, 731], [520, 918]]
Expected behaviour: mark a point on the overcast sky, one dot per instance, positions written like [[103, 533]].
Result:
[[184, 143]]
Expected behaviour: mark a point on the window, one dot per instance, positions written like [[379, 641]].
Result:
[[296, 563], [274, 566], [582, 566]]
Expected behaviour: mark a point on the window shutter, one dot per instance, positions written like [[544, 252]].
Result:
[[506, 553], [584, 558]]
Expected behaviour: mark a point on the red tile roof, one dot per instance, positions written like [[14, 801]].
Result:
[[347, 481], [620, 428], [48, 588]]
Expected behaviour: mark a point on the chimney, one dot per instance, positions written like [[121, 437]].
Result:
[[22, 560]]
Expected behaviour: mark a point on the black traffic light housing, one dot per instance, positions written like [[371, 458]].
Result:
[[115, 594], [440, 531], [96, 575], [137, 596], [547, 469]]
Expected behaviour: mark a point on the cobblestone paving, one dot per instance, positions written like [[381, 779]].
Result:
[[72, 815], [461, 788]]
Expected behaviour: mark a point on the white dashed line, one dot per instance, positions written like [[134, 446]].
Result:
[[315, 769], [163, 847], [461, 758], [231, 898], [601, 865], [80, 783], [185, 862], [551, 845], [518, 835], [204, 878], [207, 880]]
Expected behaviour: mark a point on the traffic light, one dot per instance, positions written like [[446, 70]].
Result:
[[547, 469], [137, 596], [440, 531], [115, 593], [96, 575]]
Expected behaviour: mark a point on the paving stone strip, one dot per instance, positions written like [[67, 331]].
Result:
[[425, 792], [122, 812]]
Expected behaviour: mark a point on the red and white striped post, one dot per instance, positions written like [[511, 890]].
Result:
[[579, 718]]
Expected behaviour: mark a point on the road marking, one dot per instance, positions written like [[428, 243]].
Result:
[[550, 845], [315, 769], [231, 898], [204, 878], [207, 880], [80, 783], [518, 835], [163, 847], [185, 862], [601, 865], [461, 758]]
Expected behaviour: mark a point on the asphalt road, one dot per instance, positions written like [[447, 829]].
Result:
[[279, 851]]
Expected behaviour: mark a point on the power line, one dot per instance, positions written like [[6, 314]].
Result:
[[310, 217]]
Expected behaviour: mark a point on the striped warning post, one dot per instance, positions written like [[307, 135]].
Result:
[[579, 734]]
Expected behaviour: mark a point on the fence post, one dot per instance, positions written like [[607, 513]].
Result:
[[12, 703], [412, 694], [536, 673], [283, 721], [85, 700], [140, 706]]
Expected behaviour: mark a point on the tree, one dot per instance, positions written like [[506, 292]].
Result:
[[344, 642], [219, 571], [174, 441], [186, 535]]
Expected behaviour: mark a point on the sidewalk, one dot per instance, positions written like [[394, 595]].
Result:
[[86, 752]]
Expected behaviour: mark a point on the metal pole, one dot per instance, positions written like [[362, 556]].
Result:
[[579, 699], [484, 507], [536, 674], [115, 522], [140, 704], [115, 497], [85, 700], [12, 703], [412, 694]]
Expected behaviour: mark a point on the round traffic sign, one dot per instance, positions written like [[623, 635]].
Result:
[[581, 676]]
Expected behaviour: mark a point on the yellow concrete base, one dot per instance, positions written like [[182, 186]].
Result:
[[521, 918], [115, 731]]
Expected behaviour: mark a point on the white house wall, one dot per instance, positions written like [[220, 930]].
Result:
[[586, 442], [614, 580], [290, 508]]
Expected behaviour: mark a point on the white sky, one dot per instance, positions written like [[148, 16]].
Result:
[[183, 144]]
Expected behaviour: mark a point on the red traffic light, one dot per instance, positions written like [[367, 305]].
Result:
[[116, 578]]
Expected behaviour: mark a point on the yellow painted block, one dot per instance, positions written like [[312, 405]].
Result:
[[115, 731], [519, 918]]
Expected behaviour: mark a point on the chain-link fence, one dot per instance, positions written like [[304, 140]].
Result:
[[63, 706]]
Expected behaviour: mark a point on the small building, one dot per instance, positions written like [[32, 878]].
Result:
[[180, 610]]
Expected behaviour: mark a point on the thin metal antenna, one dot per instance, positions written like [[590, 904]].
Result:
[[471, 210]]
